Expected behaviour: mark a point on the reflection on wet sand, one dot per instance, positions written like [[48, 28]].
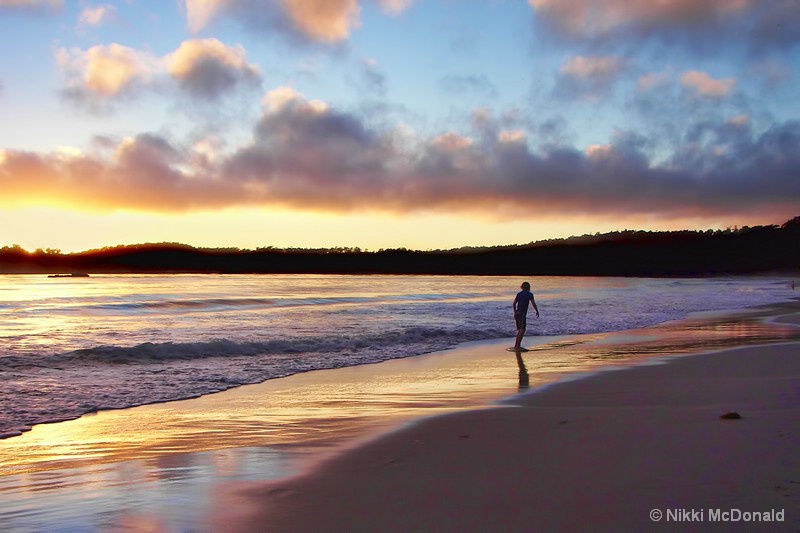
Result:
[[317, 408], [524, 377], [693, 336], [259, 431]]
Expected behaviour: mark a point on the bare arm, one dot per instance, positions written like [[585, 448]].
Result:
[[533, 301]]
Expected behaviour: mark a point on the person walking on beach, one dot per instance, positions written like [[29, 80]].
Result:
[[521, 311]]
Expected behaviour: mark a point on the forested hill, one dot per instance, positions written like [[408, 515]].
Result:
[[747, 250]]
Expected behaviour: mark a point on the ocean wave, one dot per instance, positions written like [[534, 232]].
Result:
[[113, 351], [226, 303], [153, 352], [89, 380]]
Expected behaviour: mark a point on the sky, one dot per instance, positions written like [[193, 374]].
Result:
[[424, 124]]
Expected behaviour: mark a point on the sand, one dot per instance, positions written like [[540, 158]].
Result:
[[595, 453], [599, 454]]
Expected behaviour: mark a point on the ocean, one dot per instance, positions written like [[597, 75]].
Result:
[[71, 346]]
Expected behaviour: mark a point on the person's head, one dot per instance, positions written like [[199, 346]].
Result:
[[525, 286]]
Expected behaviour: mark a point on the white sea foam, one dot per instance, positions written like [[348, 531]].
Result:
[[69, 348]]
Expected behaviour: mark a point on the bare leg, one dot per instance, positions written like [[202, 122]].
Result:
[[520, 334]]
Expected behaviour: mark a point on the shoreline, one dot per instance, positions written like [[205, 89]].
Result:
[[603, 452], [201, 365], [485, 366], [294, 436]]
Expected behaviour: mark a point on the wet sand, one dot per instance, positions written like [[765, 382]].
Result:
[[599, 454], [165, 465], [634, 449]]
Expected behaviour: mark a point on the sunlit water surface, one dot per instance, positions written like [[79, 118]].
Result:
[[160, 467], [69, 346]]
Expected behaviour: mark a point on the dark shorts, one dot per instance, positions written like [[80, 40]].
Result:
[[521, 320]]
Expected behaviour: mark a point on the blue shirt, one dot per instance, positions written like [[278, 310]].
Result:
[[521, 302]]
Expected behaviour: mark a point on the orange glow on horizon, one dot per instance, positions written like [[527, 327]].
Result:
[[50, 225]]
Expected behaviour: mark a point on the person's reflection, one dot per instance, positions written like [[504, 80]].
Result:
[[524, 379]]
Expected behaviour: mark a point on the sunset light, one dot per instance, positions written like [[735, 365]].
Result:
[[523, 122], [284, 265]]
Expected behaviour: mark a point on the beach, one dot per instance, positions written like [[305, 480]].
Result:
[[399, 266], [462, 439], [647, 447]]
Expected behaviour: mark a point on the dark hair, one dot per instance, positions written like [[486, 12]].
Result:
[[526, 286]]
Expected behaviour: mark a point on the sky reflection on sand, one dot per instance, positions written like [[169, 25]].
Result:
[[157, 465]]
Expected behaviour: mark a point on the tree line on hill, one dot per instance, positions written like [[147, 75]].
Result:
[[746, 250]]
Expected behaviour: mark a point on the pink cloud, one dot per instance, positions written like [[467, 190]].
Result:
[[105, 70], [199, 13], [395, 7], [652, 80], [324, 21], [739, 121], [204, 67], [704, 85], [592, 67], [588, 77]]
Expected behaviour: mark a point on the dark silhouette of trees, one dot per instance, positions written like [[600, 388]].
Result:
[[743, 250]]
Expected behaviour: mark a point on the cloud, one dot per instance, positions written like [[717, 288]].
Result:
[[142, 173], [512, 137], [199, 13], [321, 21], [371, 78], [104, 71], [651, 81], [589, 77], [324, 20], [739, 121], [31, 5], [772, 73], [97, 15], [593, 18], [395, 7], [592, 68], [755, 25], [701, 84], [204, 68], [209, 68], [776, 24], [306, 154]]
